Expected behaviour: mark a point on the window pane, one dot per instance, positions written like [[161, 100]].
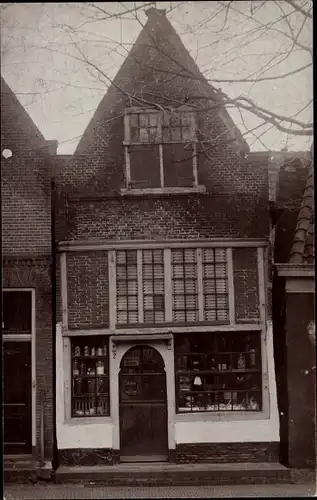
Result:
[[207, 378], [145, 166], [176, 134], [178, 165], [144, 120], [17, 311]]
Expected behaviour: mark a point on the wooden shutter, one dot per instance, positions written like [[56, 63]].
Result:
[[184, 285], [127, 287], [215, 285], [153, 286]]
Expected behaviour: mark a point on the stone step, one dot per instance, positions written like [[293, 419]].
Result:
[[174, 474], [23, 469]]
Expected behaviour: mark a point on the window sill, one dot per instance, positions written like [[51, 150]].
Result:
[[221, 416], [88, 421], [164, 191]]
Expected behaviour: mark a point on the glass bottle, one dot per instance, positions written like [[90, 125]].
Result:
[[252, 358], [76, 369], [241, 362], [100, 368], [82, 369]]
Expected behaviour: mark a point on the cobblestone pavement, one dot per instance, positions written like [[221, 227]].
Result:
[[52, 491]]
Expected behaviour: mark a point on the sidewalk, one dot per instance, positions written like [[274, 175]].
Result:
[[53, 491]]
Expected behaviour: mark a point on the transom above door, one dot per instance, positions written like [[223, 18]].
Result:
[[143, 406]]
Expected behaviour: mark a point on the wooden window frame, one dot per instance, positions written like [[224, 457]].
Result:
[[160, 143], [82, 378]]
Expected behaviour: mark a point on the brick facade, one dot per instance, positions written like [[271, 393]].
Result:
[[246, 284], [88, 296], [93, 208], [236, 200]]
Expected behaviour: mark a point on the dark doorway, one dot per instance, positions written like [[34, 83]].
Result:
[[17, 398], [143, 406]]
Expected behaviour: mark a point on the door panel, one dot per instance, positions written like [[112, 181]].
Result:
[[17, 397], [143, 405]]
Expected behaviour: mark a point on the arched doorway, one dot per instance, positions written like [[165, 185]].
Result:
[[143, 406]]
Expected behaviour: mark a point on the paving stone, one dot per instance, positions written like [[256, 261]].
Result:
[[67, 492]]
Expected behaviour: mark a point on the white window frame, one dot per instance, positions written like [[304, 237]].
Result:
[[168, 289], [127, 142]]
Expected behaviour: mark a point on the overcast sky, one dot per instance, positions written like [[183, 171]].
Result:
[[60, 93]]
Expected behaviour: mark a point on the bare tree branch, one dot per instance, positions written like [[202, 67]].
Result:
[[298, 8]]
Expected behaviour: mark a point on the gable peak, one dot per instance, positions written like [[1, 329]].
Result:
[[153, 11]]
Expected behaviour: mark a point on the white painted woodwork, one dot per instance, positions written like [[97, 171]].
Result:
[[231, 294], [101, 244], [64, 291]]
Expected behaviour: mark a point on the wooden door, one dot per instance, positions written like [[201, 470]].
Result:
[[143, 406], [17, 398]]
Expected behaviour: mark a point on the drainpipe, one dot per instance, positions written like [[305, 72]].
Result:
[[42, 438], [52, 149]]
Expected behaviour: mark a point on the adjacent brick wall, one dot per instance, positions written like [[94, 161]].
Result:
[[25, 182], [245, 271], [88, 295], [26, 236], [35, 274]]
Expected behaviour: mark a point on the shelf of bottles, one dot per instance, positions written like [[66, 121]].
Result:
[[219, 381], [90, 377]]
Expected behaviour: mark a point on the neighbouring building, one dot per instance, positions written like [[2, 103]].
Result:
[[162, 345], [27, 332], [294, 313]]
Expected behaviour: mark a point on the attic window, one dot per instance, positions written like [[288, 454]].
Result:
[[160, 150]]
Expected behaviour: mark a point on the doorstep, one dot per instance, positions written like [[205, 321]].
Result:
[[164, 474], [25, 469]]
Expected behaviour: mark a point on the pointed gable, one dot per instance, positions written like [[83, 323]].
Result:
[[16, 122], [158, 71]]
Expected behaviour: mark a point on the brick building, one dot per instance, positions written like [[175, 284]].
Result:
[[162, 345], [294, 312], [26, 171]]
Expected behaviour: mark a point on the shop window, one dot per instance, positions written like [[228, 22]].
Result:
[[90, 377], [17, 312], [218, 372]]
